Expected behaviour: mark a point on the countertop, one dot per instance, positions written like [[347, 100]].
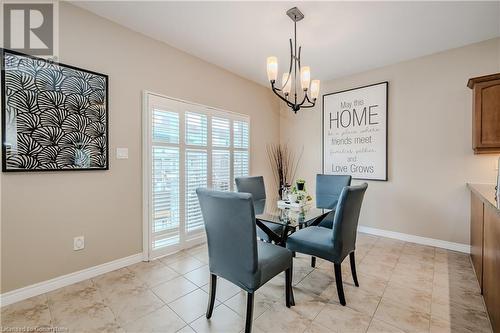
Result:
[[487, 194]]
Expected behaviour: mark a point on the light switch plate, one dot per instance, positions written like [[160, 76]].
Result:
[[121, 153]]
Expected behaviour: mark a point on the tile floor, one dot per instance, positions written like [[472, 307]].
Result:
[[404, 287]]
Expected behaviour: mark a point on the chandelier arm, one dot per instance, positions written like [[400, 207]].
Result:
[[290, 69], [307, 97], [298, 59], [276, 92], [304, 99], [308, 106], [291, 62], [311, 103]]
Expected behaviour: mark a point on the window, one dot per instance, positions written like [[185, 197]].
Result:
[[187, 146]]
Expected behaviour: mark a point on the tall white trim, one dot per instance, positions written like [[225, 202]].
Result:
[[146, 176], [465, 248], [65, 280], [180, 107]]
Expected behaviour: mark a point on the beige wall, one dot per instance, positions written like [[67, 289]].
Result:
[[42, 212], [430, 158], [430, 154]]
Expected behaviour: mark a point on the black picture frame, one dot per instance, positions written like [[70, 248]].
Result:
[[103, 161], [386, 128]]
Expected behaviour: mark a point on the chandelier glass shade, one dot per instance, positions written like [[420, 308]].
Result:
[[298, 77]]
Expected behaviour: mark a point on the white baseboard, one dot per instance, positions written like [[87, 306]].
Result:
[[465, 248], [65, 280]]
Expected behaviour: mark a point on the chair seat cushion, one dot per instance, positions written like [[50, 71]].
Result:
[[272, 260], [315, 240]]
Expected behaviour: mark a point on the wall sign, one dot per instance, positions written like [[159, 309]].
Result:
[[355, 132], [54, 116]]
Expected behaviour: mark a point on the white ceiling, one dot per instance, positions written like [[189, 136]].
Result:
[[337, 38]]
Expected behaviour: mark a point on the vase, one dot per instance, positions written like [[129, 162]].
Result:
[[300, 186], [284, 193]]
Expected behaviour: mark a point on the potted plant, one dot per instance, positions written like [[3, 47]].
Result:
[[301, 184], [284, 162]]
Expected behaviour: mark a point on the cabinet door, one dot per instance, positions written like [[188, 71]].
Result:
[[487, 115], [476, 236], [491, 265]]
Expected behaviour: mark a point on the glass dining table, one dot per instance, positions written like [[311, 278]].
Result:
[[289, 218]]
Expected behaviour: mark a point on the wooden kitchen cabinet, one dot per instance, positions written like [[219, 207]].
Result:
[[491, 266], [485, 113], [476, 236], [485, 247]]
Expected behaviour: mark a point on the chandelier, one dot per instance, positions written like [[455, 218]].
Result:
[[288, 91]]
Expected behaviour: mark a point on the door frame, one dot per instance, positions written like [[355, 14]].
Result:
[[146, 175]]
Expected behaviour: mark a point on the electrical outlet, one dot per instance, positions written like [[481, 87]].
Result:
[[78, 243]]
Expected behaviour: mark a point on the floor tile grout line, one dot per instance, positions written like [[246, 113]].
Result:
[[482, 297], [113, 312], [432, 290], [187, 323], [369, 247], [94, 283], [175, 299], [382, 295], [52, 319], [328, 301]]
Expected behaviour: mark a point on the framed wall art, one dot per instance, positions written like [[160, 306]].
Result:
[[54, 116], [355, 132]]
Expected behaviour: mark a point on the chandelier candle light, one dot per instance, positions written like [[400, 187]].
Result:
[[289, 80]]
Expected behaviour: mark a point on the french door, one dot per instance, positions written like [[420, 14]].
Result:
[[186, 146]]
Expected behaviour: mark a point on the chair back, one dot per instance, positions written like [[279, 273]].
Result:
[[345, 222], [253, 185], [328, 189], [230, 227]]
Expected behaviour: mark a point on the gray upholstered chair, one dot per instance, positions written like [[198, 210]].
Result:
[[337, 243], [255, 186], [328, 189], [233, 250]]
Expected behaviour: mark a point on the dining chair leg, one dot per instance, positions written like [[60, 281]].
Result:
[[353, 269], [313, 262], [338, 280], [288, 283], [211, 300], [292, 299], [249, 319]]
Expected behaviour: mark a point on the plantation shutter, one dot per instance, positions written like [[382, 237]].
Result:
[[241, 134], [240, 163], [240, 142], [165, 126], [188, 146], [196, 166], [221, 158], [196, 176], [221, 136], [165, 182], [196, 129], [221, 170]]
